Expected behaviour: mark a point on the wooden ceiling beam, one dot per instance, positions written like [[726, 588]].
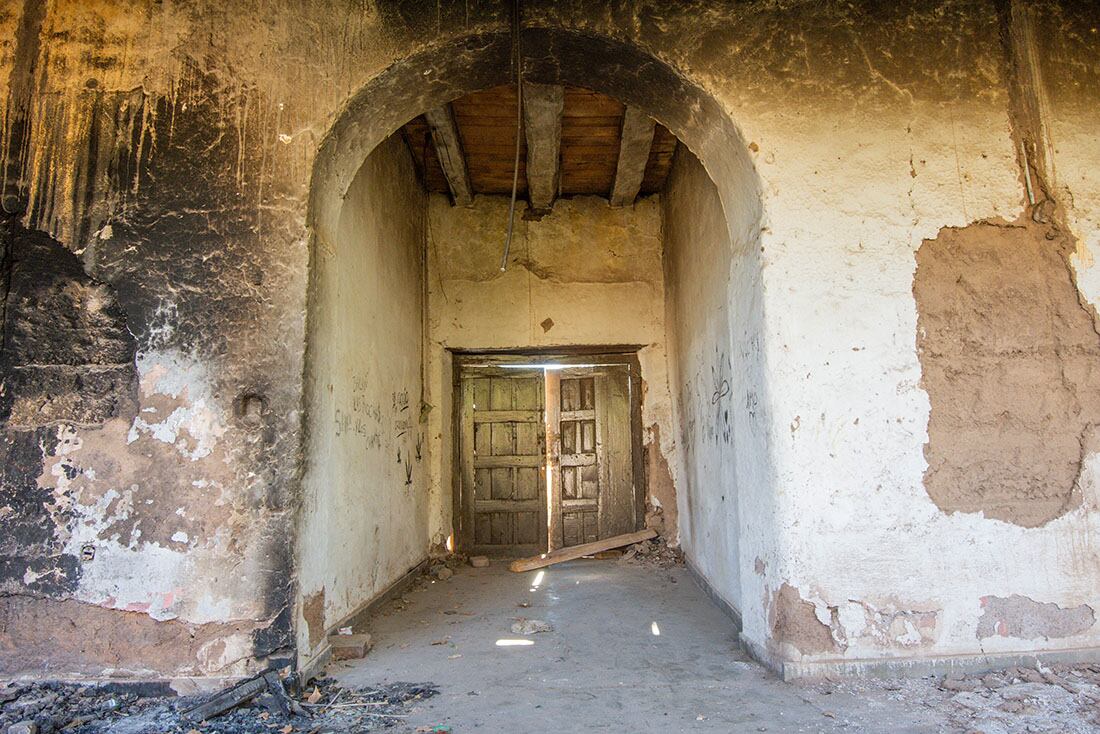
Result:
[[448, 148], [634, 145], [542, 110]]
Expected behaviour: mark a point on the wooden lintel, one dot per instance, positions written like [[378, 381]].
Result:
[[578, 551], [448, 148], [634, 144], [542, 110]]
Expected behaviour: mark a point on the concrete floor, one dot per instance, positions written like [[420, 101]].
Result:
[[602, 667]]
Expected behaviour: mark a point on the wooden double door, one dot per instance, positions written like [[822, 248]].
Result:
[[548, 458]]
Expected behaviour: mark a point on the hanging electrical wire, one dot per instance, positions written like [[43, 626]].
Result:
[[518, 66]]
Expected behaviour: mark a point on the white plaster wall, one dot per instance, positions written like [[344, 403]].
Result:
[[1076, 154], [699, 261], [857, 532], [365, 518], [594, 270]]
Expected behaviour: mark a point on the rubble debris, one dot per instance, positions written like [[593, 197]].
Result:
[[525, 626], [115, 708], [579, 551], [655, 552], [1059, 699], [350, 647], [479, 561]]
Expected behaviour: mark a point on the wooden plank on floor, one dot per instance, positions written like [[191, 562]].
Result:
[[578, 551]]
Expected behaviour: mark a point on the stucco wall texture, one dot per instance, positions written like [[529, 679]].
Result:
[[364, 519], [193, 160], [701, 305]]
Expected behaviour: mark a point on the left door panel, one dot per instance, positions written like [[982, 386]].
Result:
[[503, 461]]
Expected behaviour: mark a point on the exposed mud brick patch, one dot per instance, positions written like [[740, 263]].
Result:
[[67, 353], [1009, 357], [85, 639], [794, 621], [313, 611], [1026, 619], [661, 512]]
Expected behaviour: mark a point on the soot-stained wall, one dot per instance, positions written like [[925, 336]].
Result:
[[152, 360], [365, 514]]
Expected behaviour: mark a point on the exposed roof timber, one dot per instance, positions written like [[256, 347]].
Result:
[[591, 127], [448, 147], [542, 109], [634, 144]]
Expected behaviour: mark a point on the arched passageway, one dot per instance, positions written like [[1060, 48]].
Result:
[[383, 329]]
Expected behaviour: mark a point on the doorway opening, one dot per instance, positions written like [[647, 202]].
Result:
[[549, 451], [641, 230]]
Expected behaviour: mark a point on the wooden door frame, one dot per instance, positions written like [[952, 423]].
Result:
[[619, 354]]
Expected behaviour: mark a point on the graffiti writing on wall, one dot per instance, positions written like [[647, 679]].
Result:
[[406, 434], [720, 429], [362, 417], [381, 426]]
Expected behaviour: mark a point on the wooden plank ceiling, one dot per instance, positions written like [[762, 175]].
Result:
[[591, 126]]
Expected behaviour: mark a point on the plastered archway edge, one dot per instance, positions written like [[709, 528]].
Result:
[[631, 74]]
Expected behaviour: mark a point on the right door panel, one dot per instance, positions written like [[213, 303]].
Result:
[[594, 496]]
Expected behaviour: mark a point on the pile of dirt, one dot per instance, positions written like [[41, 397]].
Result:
[[118, 709], [655, 552]]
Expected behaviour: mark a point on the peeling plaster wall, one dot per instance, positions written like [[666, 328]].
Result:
[[119, 492], [171, 147], [365, 514], [852, 192], [584, 274], [1009, 359], [707, 324]]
